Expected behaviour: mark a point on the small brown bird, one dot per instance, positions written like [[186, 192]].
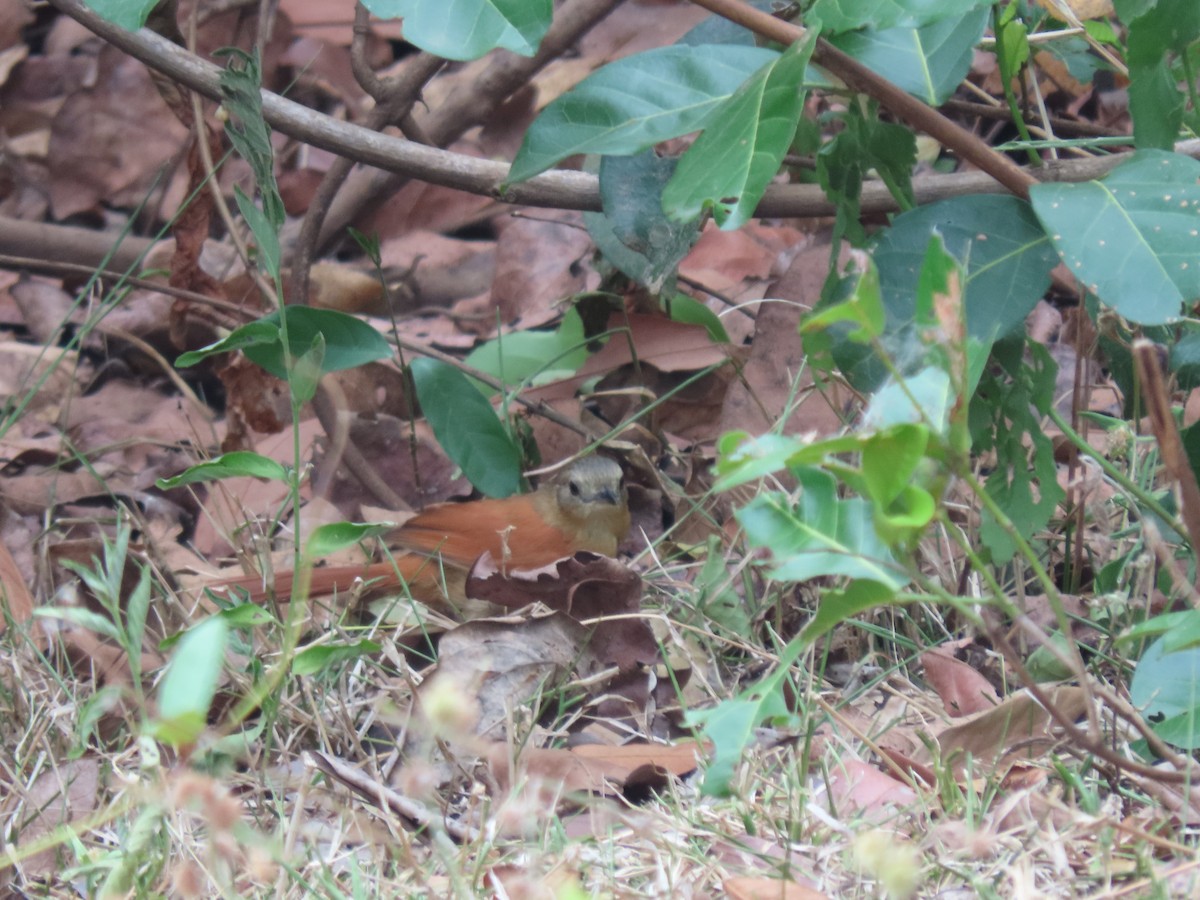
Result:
[[584, 507]]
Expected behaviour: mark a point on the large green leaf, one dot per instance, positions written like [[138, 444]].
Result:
[[467, 29], [728, 168], [1134, 238], [1158, 32], [847, 15], [467, 427], [1166, 687], [929, 62], [1006, 254], [635, 102]]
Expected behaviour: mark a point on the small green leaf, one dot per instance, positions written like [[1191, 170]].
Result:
[[730, 165], [84, 618], [241, 93], [311, 660], [129, 14], [687, 309], [838, 605], [636, 102], [247, 615], [261, 331], [467, 428], [467, 29], [335, 536], [730, 726], [266, 239], [307, 370], [862, 309], [230, 465], [190, 683]]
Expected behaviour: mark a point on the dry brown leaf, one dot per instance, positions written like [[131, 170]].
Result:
[[561, 771], [110, 140], [538, 257], [857, 787], [962, 689], [1019, 726], [15, 599], [67, 794]]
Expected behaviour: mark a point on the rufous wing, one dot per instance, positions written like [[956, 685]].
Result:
[[514, 530]]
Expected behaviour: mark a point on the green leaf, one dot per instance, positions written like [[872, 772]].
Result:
[[467, 29], [187, 689], [129, 14], [246, 615], [1132, 239], [636, 102], [261, 331], [863, 310], [742, 458], [1158, 33], [633, 232], [924, 398], [864, 144], [889, 460], [311, 660], [824, 535], [467, 428], [836, 606], [928, 62], [265, 237], [228, 465], [730, 726], [683, 308], [335, 536], [84, 618], [531, 357], [1024, 482], [998, 241], [241, 93], [307, 370], [730, 165], [1166, 687], [848, 15], [349, 341]]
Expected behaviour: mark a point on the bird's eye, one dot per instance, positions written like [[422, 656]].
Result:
[[574, 488]]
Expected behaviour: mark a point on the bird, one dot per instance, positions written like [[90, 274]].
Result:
[[584, 507]]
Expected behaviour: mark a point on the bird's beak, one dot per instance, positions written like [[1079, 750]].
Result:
[[608, 495]]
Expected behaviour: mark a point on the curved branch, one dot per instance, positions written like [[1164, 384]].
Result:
[[558, 189]]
